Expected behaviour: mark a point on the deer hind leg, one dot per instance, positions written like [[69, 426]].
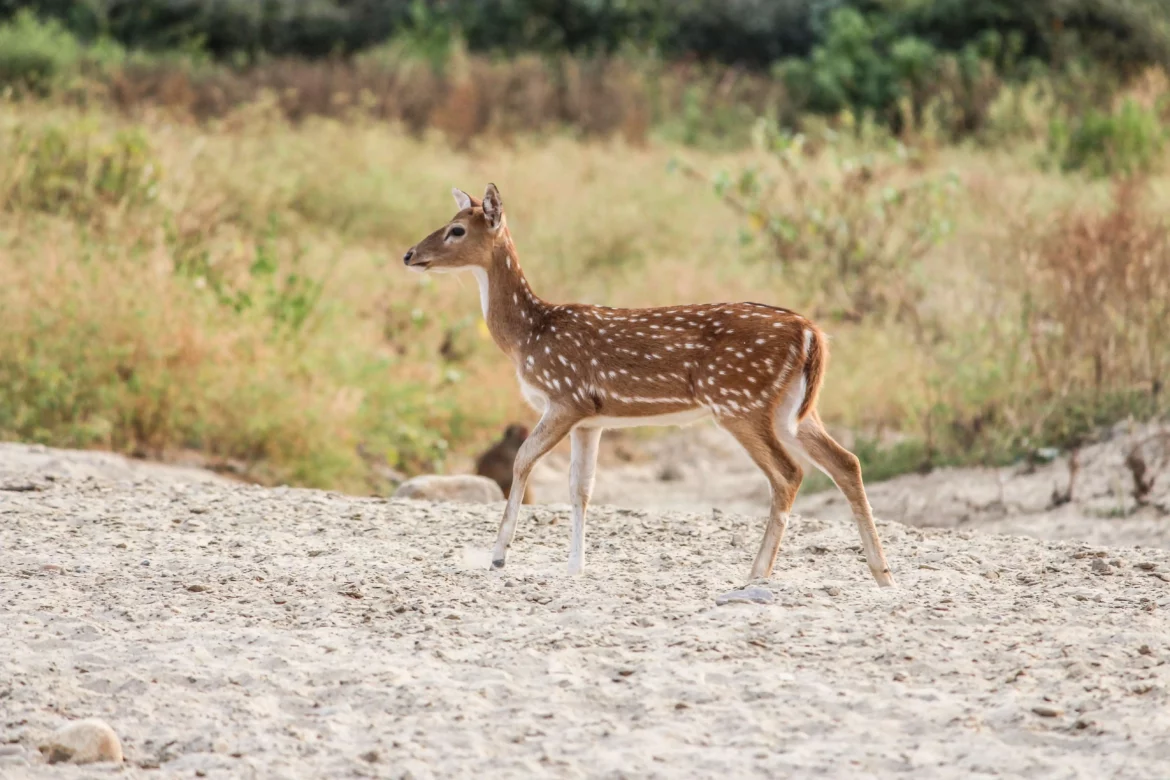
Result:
[[758, 436], [844, 469], [553, 426], [582, 469]]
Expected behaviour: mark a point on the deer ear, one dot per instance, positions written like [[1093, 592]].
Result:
[[462, 199], [493, 207]]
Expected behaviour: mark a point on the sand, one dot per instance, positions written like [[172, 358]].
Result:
[[246, 632]]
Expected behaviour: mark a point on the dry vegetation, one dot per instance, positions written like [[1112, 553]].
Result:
[[233, 285]]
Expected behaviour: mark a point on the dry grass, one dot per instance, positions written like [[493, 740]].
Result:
[[234, 286]]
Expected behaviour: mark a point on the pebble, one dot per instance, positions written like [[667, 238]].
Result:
[[83, 742], [1102, 568], [53, 568], [1046, 711], [196, 588]]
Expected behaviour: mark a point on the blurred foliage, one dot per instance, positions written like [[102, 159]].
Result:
[[913, 65], [848, 225], [752, 32]]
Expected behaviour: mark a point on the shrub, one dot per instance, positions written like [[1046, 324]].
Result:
[[36, 55], [1099, 320], [1128, 140], [849, 230], [76, 169]]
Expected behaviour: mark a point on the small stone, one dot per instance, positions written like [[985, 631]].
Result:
[[738, 540], [83, 742], [899, 677], [670, 473], [1145, 650], [197, 588], [1100, 567], [370, 756], [459, 488], [1046, 711], [751, 595], [833, 590], [53, 568], [1146, 565]]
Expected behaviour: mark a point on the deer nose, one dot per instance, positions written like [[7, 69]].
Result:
[[406, 257]]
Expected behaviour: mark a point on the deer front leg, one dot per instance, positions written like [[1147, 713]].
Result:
[[553, 426], [582, 469]]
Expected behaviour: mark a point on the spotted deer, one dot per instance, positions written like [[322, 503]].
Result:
[[755, 369]]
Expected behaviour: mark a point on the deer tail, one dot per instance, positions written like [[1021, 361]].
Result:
[[816, 358]]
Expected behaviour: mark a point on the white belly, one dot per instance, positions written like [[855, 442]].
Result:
[[535, 397]]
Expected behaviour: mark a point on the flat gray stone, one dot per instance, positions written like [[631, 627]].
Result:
[[457, 488], [751, 595]]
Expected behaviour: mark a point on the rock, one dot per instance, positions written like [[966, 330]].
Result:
[[83, 742], [751, 595], [460, 488], [1100, 567], [1046, 711], [670, 473]]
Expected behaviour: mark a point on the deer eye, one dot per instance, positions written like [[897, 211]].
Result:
[[456, 230]]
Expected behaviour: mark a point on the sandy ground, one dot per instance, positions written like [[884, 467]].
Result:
[[235, 631]]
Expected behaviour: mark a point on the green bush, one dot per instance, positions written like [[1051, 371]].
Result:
[[1126, 141], [862, 65], [35, 55]]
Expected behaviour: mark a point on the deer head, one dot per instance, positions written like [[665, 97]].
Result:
[[467, 241]]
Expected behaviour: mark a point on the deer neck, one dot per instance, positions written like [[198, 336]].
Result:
[[510, 308]]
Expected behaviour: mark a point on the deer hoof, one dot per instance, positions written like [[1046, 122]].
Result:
[[498, 563]]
